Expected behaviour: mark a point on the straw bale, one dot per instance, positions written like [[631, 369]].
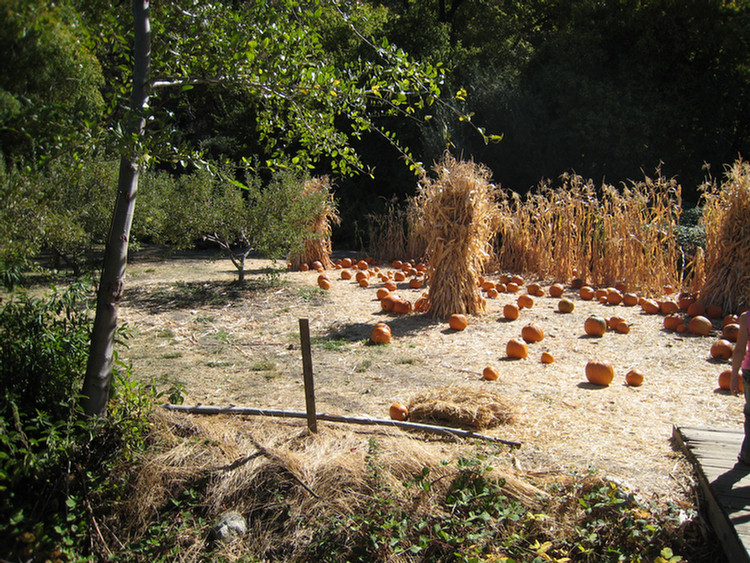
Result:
[[317, 244], [460, 405], [458, 209]]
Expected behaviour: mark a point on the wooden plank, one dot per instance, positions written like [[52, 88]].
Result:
[[724, 486]]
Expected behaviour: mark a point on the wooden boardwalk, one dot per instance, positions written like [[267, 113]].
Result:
[[724, 484]]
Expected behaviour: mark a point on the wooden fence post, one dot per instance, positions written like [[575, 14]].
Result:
[[307, 374]]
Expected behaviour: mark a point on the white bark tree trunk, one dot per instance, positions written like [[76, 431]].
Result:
[[98, 380]]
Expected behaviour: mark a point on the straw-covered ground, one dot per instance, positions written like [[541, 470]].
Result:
[[228, 344]]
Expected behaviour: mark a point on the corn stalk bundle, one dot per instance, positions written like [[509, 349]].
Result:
[[458, 210], [603, 235], [317, 244], [387, 232], [726, 217]]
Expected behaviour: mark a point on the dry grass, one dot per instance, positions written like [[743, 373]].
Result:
[[388, 232], [726, 219], [458, 210], [317, 245]]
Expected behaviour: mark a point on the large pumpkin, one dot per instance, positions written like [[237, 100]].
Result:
[[600, 373], [595, 325], [700, 325]]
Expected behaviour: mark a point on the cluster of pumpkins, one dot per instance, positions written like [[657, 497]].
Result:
[[682, 314]]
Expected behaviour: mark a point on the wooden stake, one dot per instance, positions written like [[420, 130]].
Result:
[[307, 375]]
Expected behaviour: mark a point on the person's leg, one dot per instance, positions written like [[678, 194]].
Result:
[[744, 455]]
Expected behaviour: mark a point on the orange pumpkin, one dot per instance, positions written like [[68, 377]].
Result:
[[346, 275], [390, 286], [346, 263], [696, 309], [613, 321], [388, 302], [730, 319], [511, 311], [317, 265], [324, 282], [671, 322], [721, 349], [381, 334], [714, 311], [634, 378], [492, 293], [512, 287], [517, 279], [415, 283], [725, 381], [399, 276], [517, 348], [565, 305], [668, 307], [577, 283], [487, 285], [547, 358], [402, 306], [532, 332], [422, 304], [399, 412], [364, 282], [490, 373], [600, 373], [699, 325], [525, 301], [304, 267], [630, 299], [614, 296], [649, 306], [684, 300], [595, 325], [622, 327], [556, 289], [587, 293], [535, 289], [730, 332], [458, 321]]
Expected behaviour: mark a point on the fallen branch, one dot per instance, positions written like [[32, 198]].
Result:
[[205, 409]]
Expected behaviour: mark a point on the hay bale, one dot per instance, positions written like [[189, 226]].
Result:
[[460, 406], [458, 209], [317, 245]]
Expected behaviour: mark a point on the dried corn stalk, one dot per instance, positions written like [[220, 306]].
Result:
[[458, 211], [726, 217], [317, 245]]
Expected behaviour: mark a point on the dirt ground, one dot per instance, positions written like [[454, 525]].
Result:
[[228, 344]]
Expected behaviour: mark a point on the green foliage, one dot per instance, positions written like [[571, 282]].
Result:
[[54, 464], [476, 521], [49, 82], [43, 346]]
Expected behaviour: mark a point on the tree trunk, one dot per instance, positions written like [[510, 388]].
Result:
[[98, 380]]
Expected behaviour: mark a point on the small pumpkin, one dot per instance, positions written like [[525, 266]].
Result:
[[684, 300], [730, 332], [630, 299], [587, 293], [649, 306], [525, 301], [382, 293], [415, 283], [511, 311], [535, 289], [725, 381], [722, 349], [346, 263], [381, 334], [556, 289], [613, 321], [398, 412], [517, 348], [595, 325], [490, 373], [512, 287], [532, 332], [317, 266], [547, 358], [600, 373], [346, 274], [399, 276], [671, 322], [565, 305], [634, 377], [457, 321], [614, 296], [304, 267], [388, 303], [622, 327], [402, 307], [390, 285], [324, 282], [696, 309], [714, 311], [668, 307]]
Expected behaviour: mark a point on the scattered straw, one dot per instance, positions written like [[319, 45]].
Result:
[[460, 405]]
